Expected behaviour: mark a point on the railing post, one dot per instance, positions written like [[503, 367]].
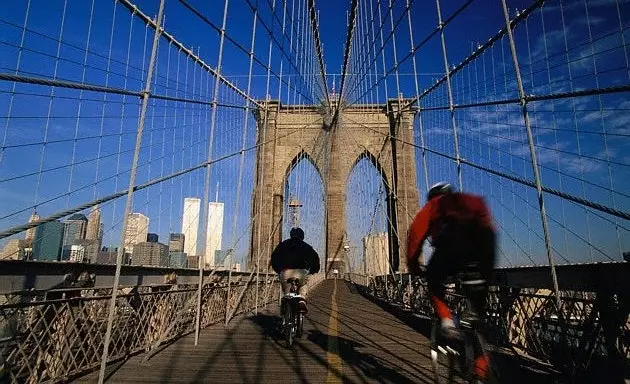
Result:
[[532, 150], [130, 190], [260, 199], [206, 192], [229, 289]]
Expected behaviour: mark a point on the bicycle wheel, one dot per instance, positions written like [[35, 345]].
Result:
[[443, 357], [289, 328]]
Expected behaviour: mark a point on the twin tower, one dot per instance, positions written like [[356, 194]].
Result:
[[334, 143]]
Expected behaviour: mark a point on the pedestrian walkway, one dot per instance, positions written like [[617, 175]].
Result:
[[347, 338]]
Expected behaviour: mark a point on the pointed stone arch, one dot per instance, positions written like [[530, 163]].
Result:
[[369, 156], [300, 156], [358, 132]]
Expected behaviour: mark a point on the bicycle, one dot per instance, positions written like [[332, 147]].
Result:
[[292, 316], [457, 355]]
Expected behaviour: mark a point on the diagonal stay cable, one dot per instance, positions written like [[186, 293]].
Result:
[[520, 180], [318, 47], [171, 39], [347, 51], [481, 49], [79, 208]]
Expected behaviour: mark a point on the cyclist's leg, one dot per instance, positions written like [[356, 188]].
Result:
[[476, 292], [284, 276], [303, 289], [302, 275], [438, 269]]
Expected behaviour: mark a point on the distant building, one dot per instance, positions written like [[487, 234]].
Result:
[[193, 261], [221, 258], [190, 224], [214, 234], [17, 249], [147, 253], [94, 230], [84, 251], [152, 237], [76, 253], [177, 259], [30, 233], [137, 231], [176, 242], [74, 230], [48, 241], [236, 267], [108, 255], [376, 254]]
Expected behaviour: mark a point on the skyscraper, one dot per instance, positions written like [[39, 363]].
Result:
[[48, 241], [16, 249], [94, 223], [137, 231], [94, 229], [150, 253], [30, 233], [177, 259], [214, 233], [176, 242], [190, 224], [74, 230]]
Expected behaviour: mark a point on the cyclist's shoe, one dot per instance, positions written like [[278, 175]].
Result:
[[449, 330], [303, 308], [481, 369]]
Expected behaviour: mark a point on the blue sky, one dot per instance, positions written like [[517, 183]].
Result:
[[88, 137]]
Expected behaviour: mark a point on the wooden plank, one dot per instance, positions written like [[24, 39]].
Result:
[[368, 345]]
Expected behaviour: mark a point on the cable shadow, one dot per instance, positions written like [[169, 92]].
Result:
[[368, 365], [508, 367]]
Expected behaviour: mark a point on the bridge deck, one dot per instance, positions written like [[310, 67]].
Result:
[[347, 338]]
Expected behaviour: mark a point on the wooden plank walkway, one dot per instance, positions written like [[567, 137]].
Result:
[[347, 338]]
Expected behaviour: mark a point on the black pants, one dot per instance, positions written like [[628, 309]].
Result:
[[473, 255]]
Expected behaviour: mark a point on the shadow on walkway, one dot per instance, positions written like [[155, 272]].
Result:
[[353, 358], [509, 368]]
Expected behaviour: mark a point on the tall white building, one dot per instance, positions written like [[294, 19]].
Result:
[[376, 253], [190, 224], [214, 234], [137, 230]]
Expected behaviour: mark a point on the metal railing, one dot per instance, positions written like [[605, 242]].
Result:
[[590, 328], [58, 334]]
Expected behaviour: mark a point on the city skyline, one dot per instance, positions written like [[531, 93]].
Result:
[[82, 237]]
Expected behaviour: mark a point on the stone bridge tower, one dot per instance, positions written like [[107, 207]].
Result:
[[334, 145]]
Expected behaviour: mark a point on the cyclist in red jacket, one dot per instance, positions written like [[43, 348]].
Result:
[[462, 234]]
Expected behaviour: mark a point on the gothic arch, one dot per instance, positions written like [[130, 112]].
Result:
[[358, 132], [302, 155], [366, 154]]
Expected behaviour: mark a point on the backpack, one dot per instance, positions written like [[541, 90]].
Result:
[[458, 230]]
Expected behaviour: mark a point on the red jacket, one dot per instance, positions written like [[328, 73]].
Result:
[[455, 204]]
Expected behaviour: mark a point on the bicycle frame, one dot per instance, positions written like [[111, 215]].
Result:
[[459, 353], [292, 316]]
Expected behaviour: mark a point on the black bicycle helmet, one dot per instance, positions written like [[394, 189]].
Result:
[[297, 233], [439, 189]]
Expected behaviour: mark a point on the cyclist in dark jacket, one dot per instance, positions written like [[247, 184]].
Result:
[[294, 258]]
